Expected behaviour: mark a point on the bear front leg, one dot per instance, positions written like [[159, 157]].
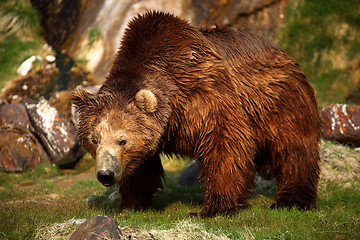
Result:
[[227, 185], [137, 190]]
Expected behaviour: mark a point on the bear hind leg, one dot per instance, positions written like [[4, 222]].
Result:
[[296, 169], [227, 187]]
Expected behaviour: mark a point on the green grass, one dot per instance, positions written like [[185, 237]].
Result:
[[337, 216], [44, 171], [26, 210], [323, 37]]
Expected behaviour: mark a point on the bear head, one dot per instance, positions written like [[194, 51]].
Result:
[[119, 133]]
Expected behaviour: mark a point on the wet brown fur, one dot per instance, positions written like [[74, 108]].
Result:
[[227, 97]]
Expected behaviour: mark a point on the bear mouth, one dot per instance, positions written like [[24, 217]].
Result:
[[107, 184]]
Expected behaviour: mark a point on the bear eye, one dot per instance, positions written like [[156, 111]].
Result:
[[94, 141], [121, 142]]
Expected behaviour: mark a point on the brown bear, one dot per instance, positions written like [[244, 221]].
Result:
[[227, 97]]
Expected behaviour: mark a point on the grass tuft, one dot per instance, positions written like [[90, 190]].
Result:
[[18, 18]]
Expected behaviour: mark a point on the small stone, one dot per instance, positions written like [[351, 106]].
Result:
[[26, 66], [50, 58], [96, 228]]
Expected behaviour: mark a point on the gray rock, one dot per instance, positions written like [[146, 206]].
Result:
[[56, 133], [341, 123], [19, 149], [190, 176], [98, 227]]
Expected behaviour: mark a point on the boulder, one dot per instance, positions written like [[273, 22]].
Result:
[[12, 113], [99, 28], [19, 149], [98, 227], [261, 16], [56, 133], [341, 123]]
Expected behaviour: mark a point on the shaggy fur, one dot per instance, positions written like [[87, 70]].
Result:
[[227, 97]]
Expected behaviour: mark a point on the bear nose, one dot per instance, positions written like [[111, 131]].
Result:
[[106, 177]]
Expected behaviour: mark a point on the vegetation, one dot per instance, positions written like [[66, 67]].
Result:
[[322, 36], [94, 35], [18, 36]]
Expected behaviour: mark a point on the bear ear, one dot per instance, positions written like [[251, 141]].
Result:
[[146, 101], [81, 99]]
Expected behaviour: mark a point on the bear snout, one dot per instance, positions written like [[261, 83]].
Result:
[[106, 177], [108, 168]]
